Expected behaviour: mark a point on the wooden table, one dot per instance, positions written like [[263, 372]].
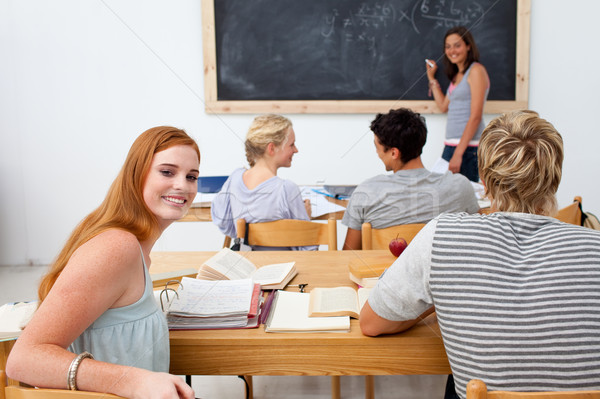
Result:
[[5, 348], [202, 214], [255, 352]]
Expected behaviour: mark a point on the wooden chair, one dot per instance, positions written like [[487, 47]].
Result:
[[290, 233], [476, 389], [571, 213], [380, 238], [18, 392]]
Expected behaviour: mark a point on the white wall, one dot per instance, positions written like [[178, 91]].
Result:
[[79, 80]]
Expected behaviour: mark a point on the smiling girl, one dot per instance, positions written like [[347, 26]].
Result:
[[257, 194], [463, 101], [98, 326]]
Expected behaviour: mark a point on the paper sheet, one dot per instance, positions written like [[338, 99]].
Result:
[[440, 166], [318, 202], [212, 298]]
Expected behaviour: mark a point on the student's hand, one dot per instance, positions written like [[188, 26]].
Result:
[[307, 207], [431, 70], [455, 163], [163, 385]]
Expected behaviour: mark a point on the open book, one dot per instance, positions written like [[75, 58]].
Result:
[[289, 313], [230, 265], [338, 301]]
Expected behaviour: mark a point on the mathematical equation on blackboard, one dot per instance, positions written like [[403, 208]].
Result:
[[370, 21]]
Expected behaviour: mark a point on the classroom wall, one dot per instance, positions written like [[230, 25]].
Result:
[[79, 80]]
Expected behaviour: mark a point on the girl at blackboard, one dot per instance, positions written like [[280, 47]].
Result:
[[98, 326], [464, 100], [257, 194]]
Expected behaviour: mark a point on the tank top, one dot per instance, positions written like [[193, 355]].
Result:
[[134, 335], [459, 111]]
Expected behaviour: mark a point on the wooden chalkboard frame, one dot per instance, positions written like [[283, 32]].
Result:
[[214, 106]]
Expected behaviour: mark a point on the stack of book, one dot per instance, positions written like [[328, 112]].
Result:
[[201, 304]]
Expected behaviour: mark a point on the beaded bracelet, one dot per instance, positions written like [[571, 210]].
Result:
[[72, 373], [433, 83]]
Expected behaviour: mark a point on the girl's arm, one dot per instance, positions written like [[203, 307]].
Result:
[[103, 273], [478, 82], [440, 98]]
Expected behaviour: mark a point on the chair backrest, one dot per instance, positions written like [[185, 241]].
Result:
[[18, 392], [571, 213], [290, 233], [380, 238], [476, 389]]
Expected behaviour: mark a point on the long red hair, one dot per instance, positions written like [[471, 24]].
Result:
[[124, 207]]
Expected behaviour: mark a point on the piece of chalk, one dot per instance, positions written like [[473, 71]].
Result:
[[429, 62]]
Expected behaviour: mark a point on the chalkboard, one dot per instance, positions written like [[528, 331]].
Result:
[[271, 53]]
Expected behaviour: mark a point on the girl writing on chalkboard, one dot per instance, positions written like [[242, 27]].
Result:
[[463, 101], [257, 194]]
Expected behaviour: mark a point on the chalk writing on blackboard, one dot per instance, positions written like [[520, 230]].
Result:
[[361, 24], [353, 49], [447, 14]]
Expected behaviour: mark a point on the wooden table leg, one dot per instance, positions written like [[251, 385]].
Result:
[[335, 387], [248, 379], [369, 387]]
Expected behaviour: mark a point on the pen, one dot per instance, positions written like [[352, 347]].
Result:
[[323, 193], [429, 62]]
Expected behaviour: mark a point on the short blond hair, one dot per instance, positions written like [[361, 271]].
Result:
[[520, 163], [265, 129]]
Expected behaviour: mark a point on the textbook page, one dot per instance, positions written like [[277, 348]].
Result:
[[338, 301], [231, 264], [213, 297], [290, 314], [273, 274], [363, 295]]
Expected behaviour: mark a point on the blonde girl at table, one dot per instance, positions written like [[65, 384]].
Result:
[[463, 101], [257, 194], [98, 327]]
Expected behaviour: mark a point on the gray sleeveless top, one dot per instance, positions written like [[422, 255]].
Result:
[[134, 335], [459, 109]]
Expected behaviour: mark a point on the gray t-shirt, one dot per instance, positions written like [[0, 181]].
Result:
[[408, 196]]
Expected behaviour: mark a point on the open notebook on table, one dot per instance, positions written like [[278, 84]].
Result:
[[289, 313]]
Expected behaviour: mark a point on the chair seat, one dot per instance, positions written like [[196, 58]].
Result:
[[477, 389], [380, 238]]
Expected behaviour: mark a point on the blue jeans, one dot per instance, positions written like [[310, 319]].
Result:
[[468, 167]]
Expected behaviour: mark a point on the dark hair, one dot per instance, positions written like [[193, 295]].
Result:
[[472, 56], [402, 129]]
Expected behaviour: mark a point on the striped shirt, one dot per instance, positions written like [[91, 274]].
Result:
[[517, 297], [518, 301]]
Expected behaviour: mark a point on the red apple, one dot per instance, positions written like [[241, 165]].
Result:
[[397, 246]]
